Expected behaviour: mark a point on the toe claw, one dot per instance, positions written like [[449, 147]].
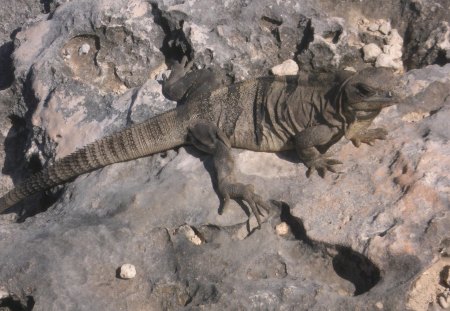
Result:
[[333, 162], [322, 165], [247, 194], [184, 61], [321, 171], [331, 169]]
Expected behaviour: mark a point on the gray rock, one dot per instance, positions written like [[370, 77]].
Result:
[[417, 19], [425, 22], [362, 239], [13, 16]]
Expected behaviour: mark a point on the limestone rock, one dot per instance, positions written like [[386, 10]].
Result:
[[391, 54], [371, 52], [3, 293], [373, 27], [384, 60], [282, 228], [380, 226], [288, 67], [385, 28], [127, 271]]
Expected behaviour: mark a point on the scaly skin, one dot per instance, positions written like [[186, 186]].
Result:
[[268, 114], [155, 135]]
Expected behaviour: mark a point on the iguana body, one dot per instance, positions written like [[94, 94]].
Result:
[[265, 114]]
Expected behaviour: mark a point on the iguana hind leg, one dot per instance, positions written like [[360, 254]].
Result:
[[208, 138]]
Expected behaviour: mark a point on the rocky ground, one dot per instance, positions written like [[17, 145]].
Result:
[[374, 237]]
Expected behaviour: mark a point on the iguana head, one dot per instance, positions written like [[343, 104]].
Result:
[[370, 90]]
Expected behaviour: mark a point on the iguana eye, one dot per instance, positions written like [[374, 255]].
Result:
[[365, 90]]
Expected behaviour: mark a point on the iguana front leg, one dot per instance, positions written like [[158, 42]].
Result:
[[184, 83], [358, 132], [208, 138], [306, 143], [176, 86]]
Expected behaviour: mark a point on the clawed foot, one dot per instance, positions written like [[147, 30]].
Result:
[[369, 136], [176, 86], [321, 165], [247, 194], [180, 69]]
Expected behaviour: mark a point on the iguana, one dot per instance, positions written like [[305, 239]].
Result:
[[269, 114]]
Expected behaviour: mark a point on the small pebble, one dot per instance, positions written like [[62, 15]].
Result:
[[379, 305], [84, 49], [394, 38], [373, 27], [371, 52], [288, 67], [190, 234], [384, 60], [395, 51], [350, 68], [385, 28], [282, 228], [127, 271], [443, 302], [3, 293]]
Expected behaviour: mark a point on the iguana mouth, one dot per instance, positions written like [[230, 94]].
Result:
[[377, 102], [389, 96]]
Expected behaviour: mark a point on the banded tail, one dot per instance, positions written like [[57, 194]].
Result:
[[157, 134]]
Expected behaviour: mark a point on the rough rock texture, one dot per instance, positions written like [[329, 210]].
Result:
[[423, 24], [374, 237], [13, 16]]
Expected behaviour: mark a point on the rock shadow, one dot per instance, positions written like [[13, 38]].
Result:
[[16, 163], [6, 65], [13, 303], [347, 263]]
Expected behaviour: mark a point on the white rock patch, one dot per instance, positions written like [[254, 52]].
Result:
[[84, 49], [371, 52], [288, 67], [127, 271], [282, 228]]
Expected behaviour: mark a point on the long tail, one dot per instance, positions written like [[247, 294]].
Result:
[[160, 133]]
